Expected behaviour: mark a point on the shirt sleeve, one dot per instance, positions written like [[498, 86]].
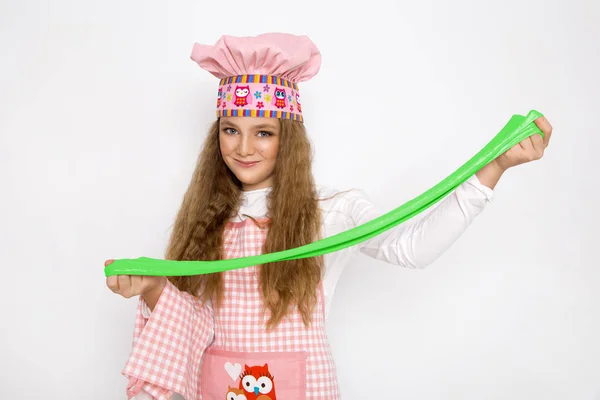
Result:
[[168, 345], [418, 242]]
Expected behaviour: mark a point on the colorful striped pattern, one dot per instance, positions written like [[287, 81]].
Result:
[[260, 113], [266, 79]]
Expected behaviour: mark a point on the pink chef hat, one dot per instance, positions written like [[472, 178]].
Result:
[[259, 75]]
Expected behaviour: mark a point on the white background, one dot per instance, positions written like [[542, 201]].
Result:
[[102, 114]]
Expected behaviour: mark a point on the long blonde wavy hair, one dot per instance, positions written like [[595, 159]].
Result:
[[213, 197]]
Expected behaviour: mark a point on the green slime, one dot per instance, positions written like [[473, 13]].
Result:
[[517, 129]]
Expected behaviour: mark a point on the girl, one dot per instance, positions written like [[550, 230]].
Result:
[[258, 333]]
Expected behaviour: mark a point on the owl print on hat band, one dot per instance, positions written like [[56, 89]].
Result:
[[259, 96], [259, 75]]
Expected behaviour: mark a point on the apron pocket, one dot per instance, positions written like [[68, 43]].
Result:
[[234, 375]]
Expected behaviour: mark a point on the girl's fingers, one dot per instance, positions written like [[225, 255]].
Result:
[[526, 145], [113, 283], [124, 284], [538, 145], [137, 283], [545, 127]]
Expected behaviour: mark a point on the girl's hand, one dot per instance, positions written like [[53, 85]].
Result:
[[134, 285], [528, 150]]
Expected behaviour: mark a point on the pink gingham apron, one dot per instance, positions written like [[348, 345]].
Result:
[[240, 360]]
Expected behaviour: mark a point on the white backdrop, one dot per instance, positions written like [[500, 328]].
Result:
[[102, 114]]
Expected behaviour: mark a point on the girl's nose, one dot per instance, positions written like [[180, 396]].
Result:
[[245, 146]]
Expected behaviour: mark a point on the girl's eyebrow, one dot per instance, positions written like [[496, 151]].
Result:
[[260, 126], [265, 126], [231, 124]]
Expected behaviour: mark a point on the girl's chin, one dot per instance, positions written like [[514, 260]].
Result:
[[252, 183]]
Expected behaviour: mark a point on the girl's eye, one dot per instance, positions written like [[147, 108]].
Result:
[[264, 134], [230, 131]]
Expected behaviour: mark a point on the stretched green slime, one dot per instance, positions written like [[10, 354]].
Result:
[[517, 129]]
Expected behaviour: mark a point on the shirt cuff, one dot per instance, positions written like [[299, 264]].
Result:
[[146, 313], [488, 193]]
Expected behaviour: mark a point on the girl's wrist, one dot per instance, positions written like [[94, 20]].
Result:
[[490, 174], [156, 290]]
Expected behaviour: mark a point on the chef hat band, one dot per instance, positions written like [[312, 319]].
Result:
[[259, 96]]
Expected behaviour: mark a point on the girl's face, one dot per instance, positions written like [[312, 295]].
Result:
[[249, 146]]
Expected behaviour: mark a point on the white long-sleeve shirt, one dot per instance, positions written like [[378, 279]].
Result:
[[412, 244]]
